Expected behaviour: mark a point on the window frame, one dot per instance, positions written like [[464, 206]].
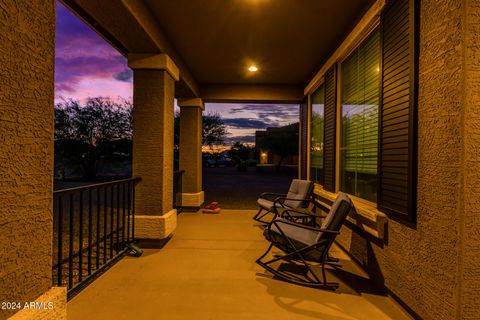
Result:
[[309, 144], [409, 217], [376, 26], [309, 114]]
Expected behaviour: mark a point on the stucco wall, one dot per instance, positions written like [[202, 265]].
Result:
[[470, 276], [434, 269], [26, 156]]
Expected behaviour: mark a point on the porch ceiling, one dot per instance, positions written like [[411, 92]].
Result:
[[287, 39], [213, 42]]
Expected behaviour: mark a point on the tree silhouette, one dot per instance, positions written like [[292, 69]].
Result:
[[86, 134], [213, 129], [239, 152]]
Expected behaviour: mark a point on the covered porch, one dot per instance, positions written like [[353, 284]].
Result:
[[395, 86]]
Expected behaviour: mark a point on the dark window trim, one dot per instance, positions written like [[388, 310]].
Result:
[[333, 72], [409, 219], [304, 154], [309, 137]]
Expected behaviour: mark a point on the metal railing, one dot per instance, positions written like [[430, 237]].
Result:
[[93, 228], [177, 190]]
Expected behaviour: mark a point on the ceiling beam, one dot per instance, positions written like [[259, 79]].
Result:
[[144, 18], [126, 36], [252, 93]]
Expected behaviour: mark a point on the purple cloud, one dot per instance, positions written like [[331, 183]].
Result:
[[85, 64], [246, 123], [125, 75]]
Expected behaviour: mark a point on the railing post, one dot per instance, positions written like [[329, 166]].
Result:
[[105, 219], [117, 228], [133, 213], [111, 220], [60, 241], [80, 242], [89, 232], [70, 249], [97, 256], [123, 213], [128, 210]]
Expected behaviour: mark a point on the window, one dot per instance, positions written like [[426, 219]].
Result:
[[316, 135], [376, 87], [360, 76]]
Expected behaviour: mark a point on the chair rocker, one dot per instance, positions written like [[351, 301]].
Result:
[[298, 196], [303, 244]]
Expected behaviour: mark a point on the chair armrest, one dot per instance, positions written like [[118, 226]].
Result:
[[283, 199], [304, 216], [279, 203], [304, 213], [299, 225], [269, 194]]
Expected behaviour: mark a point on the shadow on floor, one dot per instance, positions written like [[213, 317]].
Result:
[[208, 272]]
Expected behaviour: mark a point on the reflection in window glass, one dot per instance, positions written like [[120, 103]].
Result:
[[360, 97], [316, 134]]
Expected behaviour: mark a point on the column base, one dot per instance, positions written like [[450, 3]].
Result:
[[155, 227], [193, 201], [50, 305]]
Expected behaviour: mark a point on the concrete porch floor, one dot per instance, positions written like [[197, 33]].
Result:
[[208, 271]]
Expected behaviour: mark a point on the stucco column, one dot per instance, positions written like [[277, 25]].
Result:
[[26, 160], [153, 114], [191, 152]]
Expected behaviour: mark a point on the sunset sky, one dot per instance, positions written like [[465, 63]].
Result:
[[87, 66]]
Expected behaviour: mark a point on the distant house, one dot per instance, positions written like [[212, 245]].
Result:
[[266, 155]]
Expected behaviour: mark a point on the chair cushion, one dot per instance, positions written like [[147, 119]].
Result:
[[334, 220], [265, 204], [299, 189], [307, 237], [331, 214]]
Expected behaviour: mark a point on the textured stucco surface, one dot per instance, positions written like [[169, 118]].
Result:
[[54, 306], [155, 227], [193, 200], [153, 114], [470, 276], [26, 156], [434, 269], [191, 148]]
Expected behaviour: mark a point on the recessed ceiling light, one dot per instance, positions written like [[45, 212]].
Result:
[[252, 69]]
